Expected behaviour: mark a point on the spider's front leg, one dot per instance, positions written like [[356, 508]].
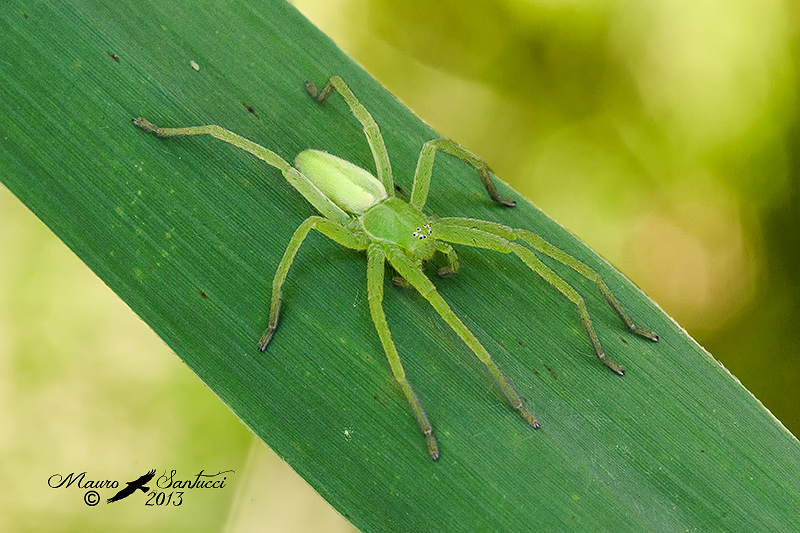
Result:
[[537, 243], [493, 236], [422, 176], [375, 273], [413, 274], [451, 269]]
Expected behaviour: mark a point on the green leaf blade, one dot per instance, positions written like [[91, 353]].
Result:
[[189, 232]]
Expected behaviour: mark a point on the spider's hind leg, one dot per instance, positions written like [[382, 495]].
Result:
[[383, 167]]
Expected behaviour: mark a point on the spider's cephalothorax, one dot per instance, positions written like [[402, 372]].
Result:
[[360, 211], [393, 221]]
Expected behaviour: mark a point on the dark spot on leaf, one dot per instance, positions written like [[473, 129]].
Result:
[[552, 374], [623, 340], [203, 295], [113, 56], [375, 397], [25, 16], [536, 373], [250, 110], [520, 343]]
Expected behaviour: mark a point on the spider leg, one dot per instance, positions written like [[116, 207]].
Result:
[[482, 234], [374, 138], [539, 244], [566, 289], [414, 275], [445, 272], [452, 260], [330, 229], [375, 274], [309, 191], [422, 176]]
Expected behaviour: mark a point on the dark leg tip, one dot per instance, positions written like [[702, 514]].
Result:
[[445, 272], [145, 124], [506, 202], [312, 89], [433, 446], [651, 335]]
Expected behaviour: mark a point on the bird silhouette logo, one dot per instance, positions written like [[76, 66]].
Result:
[[133, 486]]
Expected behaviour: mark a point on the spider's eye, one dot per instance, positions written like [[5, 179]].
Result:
[[423, 232]]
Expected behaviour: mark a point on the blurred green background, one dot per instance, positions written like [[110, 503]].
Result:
[[664, 134]]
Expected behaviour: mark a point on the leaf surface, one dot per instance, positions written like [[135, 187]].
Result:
[[189, 233]]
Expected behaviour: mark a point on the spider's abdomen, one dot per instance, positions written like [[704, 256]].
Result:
[[393, 221], [349, 186]]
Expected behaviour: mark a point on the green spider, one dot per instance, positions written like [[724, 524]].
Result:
[[362, 213]]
